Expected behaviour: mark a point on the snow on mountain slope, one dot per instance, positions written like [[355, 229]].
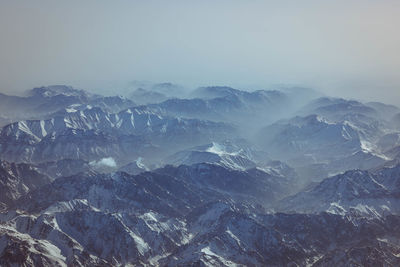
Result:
[[22, 250], [68, 96], [363, 160], [83, 235], [380, 253], [313, 142], [217, 234], [42, 102], [335, 108], [235, 239], [119, 192], [93, 134], [356, 191], [223, 153], [179, 216], [71, 144], [220, 203], [169, 190], [311, 136], [371, 119], [17, 180], [135, 167]]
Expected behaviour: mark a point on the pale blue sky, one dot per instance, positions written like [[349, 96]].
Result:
[[341, 47]]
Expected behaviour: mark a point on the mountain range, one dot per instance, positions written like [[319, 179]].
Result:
[[216, 176]]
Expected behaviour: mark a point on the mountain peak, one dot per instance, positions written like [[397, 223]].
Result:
[[53, 90]]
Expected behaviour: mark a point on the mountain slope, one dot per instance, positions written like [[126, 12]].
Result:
[[92, 134], [361, 192], [42, 102], [17, 180], [311, 135]]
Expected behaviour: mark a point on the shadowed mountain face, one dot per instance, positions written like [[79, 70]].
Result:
[[17, 180], [213, 177]]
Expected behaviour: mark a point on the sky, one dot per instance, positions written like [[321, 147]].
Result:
[[343, 48]]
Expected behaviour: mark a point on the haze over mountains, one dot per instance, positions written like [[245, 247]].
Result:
[[216, 176]]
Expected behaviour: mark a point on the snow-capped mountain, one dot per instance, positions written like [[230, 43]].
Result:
[[204, 182], [92, 134], [314, 141], [282, 240], [336, 108], [361, 192], [371, 119], [42, 102], [227, 153], [231, 239], [176, 216], [89, 180], [61, 96], [312, 135]]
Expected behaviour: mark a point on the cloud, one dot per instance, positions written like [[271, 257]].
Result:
[[104, 162]]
